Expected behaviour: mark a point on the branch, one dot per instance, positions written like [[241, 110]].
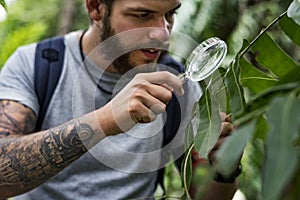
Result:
[[241, 54]]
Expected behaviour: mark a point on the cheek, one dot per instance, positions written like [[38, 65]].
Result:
[[121, 26]]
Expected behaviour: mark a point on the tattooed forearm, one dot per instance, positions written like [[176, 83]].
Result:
[[65, 144], [57, 148], [31, 159]]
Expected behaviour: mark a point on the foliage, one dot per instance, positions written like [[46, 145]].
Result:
[[2, 3], [261, 80], [30, 21], [263, 85]]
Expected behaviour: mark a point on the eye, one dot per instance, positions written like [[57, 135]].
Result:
[[142, 15], [170, 16]]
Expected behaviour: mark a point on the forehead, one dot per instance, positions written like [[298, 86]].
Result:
[[155, 5]]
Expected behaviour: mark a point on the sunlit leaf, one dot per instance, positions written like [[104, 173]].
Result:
[[209, 124], [24, 35], [281, 155], [291, 29], [294, 11], [234, 89], [234, 147]]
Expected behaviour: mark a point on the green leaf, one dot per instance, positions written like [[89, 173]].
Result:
[[264, 97], [291, 29], [294, 11], [281, 160], [258, 104], [234, 89], [231, 150], [2, 3], [266, 54], [209, 124], [24, 35], [261, 128], [254, 79]]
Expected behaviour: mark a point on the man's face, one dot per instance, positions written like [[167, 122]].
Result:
[[149, 23]]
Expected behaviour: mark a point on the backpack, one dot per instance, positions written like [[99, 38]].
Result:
[[49, 59]]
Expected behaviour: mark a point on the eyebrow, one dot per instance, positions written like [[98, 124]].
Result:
[[176, 8], [142, 9]]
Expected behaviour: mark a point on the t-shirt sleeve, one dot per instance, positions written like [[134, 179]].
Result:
[[17, 78]]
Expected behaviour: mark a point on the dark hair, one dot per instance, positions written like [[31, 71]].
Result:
[[108, 3]]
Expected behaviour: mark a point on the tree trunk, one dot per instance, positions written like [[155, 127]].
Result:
[[66, 17]]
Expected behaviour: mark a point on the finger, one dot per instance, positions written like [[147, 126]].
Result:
[[227, 129], [167, 87], [164, 78], [228, 118], [160, 92], [140, 113], [225, 117], [153, 97]]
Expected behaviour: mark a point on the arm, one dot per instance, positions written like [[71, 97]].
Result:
[[216, 190], [213, 189], [27, 160]]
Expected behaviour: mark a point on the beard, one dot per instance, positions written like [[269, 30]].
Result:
[[122, 63], [115, 47]]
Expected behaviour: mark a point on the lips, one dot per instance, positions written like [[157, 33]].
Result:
[[151, 53]]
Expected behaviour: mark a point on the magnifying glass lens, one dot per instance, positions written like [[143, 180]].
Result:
[[204, 59]]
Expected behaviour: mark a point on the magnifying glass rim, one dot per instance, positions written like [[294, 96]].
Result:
[[202, 47]]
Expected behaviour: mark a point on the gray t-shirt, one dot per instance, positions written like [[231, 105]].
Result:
[[118, 167]]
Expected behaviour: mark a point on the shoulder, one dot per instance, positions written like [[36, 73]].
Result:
[[16, 77], [22, 59]]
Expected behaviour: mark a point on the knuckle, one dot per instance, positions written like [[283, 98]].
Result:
[[169, 95], [139, 77], [134, 106], [166, 75], [136, 96], [158, 108], [163, 107]]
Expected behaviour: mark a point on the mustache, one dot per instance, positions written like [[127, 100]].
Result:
[[115, 47], [155, 44]]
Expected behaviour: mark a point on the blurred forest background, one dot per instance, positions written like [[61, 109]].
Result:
[[231, 20]]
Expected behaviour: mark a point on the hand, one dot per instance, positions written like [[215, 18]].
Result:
[[141, 100], [226, 130]]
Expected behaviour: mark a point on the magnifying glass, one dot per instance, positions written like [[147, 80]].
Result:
[[204, 60]]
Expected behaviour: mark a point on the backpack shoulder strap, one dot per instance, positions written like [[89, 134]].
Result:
[[49, 59], [173, 119]]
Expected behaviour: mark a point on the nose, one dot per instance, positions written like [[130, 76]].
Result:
[[160, 32]]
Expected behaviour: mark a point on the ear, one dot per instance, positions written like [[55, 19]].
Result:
[[96, 9]]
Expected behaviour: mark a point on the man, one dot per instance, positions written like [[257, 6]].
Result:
[[121, 129]]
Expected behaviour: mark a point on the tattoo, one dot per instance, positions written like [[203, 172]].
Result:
[[15, 119], [27, 160], [64, 145], [33, 159]]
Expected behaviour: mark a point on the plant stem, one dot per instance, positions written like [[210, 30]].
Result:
[[184, 172], [241, 54]]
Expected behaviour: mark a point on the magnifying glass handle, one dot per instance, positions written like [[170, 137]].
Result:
[[183, 77]]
